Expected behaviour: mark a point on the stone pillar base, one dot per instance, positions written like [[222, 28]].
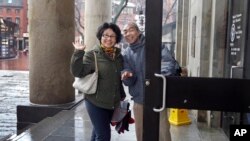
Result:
[[28, 115]]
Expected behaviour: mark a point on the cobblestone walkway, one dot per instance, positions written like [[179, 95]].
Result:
[[14, 90]]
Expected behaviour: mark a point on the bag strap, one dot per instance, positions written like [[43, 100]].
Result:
[[96, 68]]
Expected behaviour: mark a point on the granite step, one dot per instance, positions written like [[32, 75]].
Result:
[[44, 128]]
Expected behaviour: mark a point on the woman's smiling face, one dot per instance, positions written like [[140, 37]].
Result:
[[108, 38]]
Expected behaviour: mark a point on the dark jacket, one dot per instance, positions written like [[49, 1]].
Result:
[[134, 61], [109, 87], [169, 66]]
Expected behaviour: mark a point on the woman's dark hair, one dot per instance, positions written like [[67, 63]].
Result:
[[112, 26]]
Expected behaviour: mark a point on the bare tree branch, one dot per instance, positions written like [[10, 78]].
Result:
[[79, 25], [78, 18], [122, 5], [170, 11]]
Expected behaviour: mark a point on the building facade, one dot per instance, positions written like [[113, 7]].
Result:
[[212, 42], [16, 11], [127, 14]]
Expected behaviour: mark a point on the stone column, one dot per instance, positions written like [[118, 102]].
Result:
[[51, 32], [184, 41], [179, 30], [96, 12], [217, 41]]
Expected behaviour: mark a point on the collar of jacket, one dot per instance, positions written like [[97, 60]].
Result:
[[140, 43], [98, 49]]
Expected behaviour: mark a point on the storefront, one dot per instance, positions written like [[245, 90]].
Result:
[[8, 48]]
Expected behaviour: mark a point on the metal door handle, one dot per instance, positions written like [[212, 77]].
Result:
[[164, 93], [233, 67]]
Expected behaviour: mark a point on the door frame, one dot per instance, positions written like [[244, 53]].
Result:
[[153, 85]]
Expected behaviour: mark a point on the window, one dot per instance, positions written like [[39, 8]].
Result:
[[17, 20], [127, 11], [9, 19], [17, 11], [8, 10], [17, 31], [9, 1]]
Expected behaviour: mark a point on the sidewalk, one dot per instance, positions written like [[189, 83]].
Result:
[[13, 91], [75, 124]]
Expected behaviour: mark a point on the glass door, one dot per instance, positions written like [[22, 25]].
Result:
[[236, 52]]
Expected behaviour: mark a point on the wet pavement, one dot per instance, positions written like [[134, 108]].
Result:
[[21, 62], [13, 91], [73, 124]]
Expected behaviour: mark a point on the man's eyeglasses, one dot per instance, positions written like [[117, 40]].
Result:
[[106, 36]]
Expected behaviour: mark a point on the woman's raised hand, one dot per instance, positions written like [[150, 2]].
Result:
[[78, 45]]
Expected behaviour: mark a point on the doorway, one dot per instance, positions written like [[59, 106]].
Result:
[[236, 54]]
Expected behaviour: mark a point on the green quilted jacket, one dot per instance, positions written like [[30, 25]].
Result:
[[109, 88]]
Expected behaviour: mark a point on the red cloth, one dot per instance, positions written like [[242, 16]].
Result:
[[124, 123]]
